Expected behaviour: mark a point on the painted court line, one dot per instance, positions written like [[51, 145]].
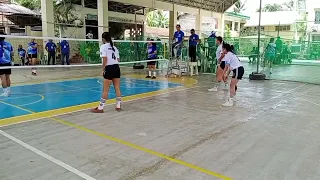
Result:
[[48, 157], [134, 146]]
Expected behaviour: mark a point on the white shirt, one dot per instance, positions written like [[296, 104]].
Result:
[[232, 60], [219, 52], [112, 56]]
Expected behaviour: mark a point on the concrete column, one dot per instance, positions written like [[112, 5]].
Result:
[[7, 30], [103, 21], [47, 18], [199, 23], [233, 26], [28, 30], [222, 25], [173, 16]]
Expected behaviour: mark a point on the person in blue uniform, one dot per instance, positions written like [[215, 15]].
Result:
[[152, 54], [193, 42], [178, 41], [22, 55], [33, 55], [51, 49], [6, 53], [65, 52]]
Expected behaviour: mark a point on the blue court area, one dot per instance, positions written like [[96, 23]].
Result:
[[54, 95]]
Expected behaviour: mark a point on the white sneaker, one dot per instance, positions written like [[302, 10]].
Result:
[[4, 95], [214, 89], [228, 103]]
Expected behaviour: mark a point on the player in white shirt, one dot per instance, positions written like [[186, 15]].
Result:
[[232, 64], [221, 66], [110, 72]]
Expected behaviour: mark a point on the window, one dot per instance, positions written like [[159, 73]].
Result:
[[283, 28]]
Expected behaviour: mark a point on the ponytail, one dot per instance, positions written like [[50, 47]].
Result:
[[106, 36], [111, 44]]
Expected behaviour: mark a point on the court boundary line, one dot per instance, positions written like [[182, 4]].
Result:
[[137, 147], [48, 157]]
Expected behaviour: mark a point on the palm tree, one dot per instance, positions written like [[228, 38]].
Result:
[[240, 6], [271, 8], [289, 5]]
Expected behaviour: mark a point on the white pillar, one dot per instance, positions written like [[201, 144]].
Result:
[[103, 21], [47, 18], [28, 30], [7, 30], [199, 23], [233, 26], [173, 16], [222, 26]]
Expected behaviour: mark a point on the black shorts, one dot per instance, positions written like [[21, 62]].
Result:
[[151, 63], [5, 71], [223, 64], [238, 73], [112, 72], [32, 56]]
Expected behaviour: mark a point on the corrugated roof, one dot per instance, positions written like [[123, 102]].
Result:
[[272, 18], [16, 9]]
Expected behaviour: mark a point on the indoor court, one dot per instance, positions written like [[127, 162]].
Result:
[[169, 129]]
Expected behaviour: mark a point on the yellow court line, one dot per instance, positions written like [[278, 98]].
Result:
[[187, 82], [55, 112], [134, 146]]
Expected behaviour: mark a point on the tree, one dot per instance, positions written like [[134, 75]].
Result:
[[289, 5], [64, 13], [227, 33], [271, 8], [240, 6], [30, 4], [158, 19]]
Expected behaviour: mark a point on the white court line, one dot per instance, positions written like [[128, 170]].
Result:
[[310, 101], [48, 157], [177, 90]]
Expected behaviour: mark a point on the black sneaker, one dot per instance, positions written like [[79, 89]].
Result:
[[153, 77], [148, 76]]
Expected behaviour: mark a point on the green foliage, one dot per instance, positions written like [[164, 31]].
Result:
[[158, 19], [30, 4], [271, 8], [227, 33], [240, 6]]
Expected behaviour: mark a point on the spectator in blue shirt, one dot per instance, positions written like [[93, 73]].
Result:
[[51, 49], [6, 53], [178, 41], [213, 34], [152, 54], [65, 52], [193, 42], [33, 55], [22, 55]]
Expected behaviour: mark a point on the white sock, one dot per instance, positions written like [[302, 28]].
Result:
[[8, 89], [154, 73], [149, 73], [118, 102], [5, 90], [101, 105]]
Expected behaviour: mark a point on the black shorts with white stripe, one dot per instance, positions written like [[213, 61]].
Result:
[[238, 73]]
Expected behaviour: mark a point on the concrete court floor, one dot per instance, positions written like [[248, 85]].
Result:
[[271, 134]]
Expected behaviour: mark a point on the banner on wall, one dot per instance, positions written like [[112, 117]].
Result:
[[113, 19]]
